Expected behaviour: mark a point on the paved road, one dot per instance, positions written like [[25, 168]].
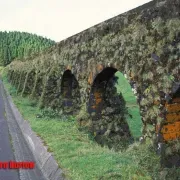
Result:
[[6, 149], [13, 145]]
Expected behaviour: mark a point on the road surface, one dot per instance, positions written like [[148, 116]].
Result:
[[13, 146]]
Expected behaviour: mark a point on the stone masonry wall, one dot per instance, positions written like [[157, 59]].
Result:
[[143, 44]]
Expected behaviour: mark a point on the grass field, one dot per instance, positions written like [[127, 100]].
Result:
[[79, 155]]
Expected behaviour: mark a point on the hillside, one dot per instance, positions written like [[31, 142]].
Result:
[[20, 44]]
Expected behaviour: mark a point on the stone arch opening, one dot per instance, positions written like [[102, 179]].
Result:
[[70, 92], [16, 80], [110, 115], [21, 82], [39, 86], [97, 96], [51, 94], [31, 79]]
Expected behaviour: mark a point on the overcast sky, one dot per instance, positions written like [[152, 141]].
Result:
[[59, 19]]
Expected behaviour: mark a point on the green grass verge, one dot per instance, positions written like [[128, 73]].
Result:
[[82, 158]]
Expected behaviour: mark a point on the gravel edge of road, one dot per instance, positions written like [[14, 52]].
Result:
[[44, 159]]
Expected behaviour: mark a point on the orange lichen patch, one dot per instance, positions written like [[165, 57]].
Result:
[[176, 100], [100, 67], [97, 97], [171, 136], [90, 78], [171, 131], [171, 128], [172, 117], [172, 107]]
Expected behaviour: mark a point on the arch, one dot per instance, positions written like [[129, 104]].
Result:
[[97, 90], [128, 89], [21, 82], [113, 103], [69, 92], [37, 86], [31, 79], [51, 92]]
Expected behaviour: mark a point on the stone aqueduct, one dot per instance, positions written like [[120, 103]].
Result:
[[143, 44]]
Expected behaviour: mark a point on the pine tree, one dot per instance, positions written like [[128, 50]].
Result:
[[19, 45]]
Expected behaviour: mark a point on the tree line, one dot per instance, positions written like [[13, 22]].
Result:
[[20, 45]]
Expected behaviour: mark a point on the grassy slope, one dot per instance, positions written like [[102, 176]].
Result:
[[80, 157]]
